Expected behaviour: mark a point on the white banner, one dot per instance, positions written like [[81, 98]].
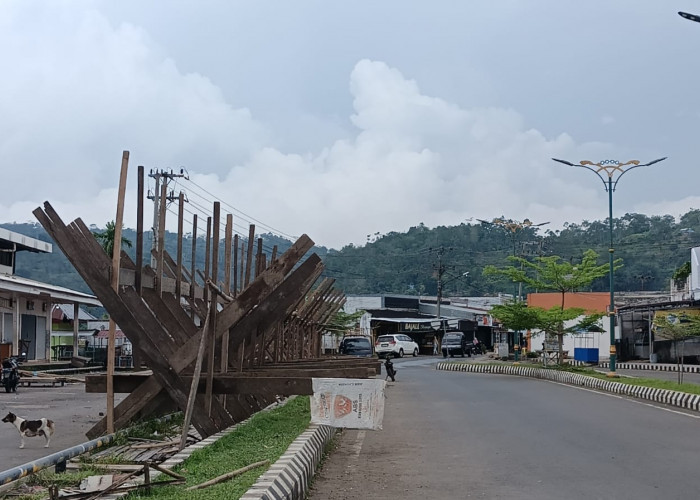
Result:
[[348, 402]]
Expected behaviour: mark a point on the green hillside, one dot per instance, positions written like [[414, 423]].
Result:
[[652, 248]]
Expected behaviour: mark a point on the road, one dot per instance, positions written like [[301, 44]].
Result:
[[455, 435], [72, 409]]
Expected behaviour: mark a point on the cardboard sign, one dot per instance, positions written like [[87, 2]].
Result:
[[347, 402]]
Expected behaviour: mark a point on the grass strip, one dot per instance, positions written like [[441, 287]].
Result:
[[265, 437], [653, 383]]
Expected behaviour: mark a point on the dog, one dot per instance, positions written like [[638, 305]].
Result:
[[31, 428]]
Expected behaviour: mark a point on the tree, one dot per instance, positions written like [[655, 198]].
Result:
[[106, 238], [678, 329], [343, 322], [556, 274], [516, 316]]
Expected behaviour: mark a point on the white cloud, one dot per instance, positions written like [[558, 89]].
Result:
[[81, 88]]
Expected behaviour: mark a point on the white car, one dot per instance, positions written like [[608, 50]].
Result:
[[395, 345]]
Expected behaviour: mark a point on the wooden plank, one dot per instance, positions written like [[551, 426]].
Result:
[[88, 258], [139, 230], [228, 236], [211, 358], [180, 220], [235, 266], [283, 382], [116, 256], [249, 254], [258, 292], [194, 257], [207, 260], [195, 377]]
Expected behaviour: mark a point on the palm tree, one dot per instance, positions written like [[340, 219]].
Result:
[[106, 238]]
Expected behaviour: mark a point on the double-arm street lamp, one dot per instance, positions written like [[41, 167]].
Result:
[[514, 227], [613, 170]]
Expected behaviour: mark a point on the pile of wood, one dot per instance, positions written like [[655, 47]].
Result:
[[217, 347]]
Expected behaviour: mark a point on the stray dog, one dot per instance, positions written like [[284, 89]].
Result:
[[31, 428]]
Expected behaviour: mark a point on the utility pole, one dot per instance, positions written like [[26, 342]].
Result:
[[162, 177], [440, 270]]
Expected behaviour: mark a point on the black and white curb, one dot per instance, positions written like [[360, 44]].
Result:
[[664, 396], [661, 367], [288, 478]]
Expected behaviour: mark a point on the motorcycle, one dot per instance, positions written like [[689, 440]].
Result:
[[10, 375]]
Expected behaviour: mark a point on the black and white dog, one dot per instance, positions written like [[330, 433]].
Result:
[[31, 428]]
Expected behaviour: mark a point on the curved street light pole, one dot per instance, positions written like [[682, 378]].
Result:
[[613, 170]]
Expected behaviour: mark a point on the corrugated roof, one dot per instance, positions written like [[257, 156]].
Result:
[[58, 294], [25, 242], [67, 311]]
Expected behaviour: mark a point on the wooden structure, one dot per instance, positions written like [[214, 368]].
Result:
[[252, 342]]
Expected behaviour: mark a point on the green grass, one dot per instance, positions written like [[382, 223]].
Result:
[[637, 381], [265, 437]]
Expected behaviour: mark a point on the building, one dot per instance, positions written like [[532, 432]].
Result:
[[26, 305], [416, 316]]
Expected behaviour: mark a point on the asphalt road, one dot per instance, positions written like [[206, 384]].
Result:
[[72, 409], [455, 435]]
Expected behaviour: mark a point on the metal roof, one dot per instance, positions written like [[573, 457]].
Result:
[[67, 311], [25, 242], [58, 294]]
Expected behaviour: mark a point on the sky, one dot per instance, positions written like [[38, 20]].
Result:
[[347, 119]]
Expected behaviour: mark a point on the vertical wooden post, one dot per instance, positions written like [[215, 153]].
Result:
[[180, 215], [224, 338], [76, 327], [116, 256], [207, 259], [242, 279], [213, 309], [227, 253], [193, 286], [249, 260], [273, 257], [139, 230], [235, 265]]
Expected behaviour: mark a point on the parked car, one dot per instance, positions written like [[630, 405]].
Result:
[[355, 346], [395, 345], [456, 343]]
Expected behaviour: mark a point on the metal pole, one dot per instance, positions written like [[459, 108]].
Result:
[[611, 312]]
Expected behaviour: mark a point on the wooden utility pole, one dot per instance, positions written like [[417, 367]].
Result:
[[116, 255]]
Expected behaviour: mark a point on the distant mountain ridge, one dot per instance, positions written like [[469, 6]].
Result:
[[652, 249]]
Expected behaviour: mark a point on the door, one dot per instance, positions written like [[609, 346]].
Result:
[[28, 336], [41, 338]]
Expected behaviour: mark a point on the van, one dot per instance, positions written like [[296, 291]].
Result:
[[456, 343], [355, 346]]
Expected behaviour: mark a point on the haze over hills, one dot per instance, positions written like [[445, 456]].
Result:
[[652, 249]]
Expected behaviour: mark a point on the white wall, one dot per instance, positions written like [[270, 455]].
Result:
[[590, 340]]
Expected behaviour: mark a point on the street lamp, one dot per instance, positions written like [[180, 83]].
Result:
[[514, 227], [690, 17], [614, 170]]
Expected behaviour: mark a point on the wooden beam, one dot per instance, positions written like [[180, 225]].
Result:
[[249, 255], [258, 293], [139, 229], [116, 255], [180, 219]]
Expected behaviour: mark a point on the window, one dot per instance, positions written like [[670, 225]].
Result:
[[30, 305]]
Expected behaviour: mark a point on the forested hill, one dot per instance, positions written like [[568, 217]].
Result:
[[55, 268], [652, 249]]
